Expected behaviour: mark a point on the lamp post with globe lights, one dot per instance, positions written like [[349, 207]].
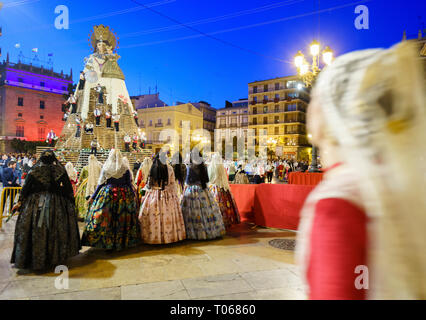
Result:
[[308, 73]]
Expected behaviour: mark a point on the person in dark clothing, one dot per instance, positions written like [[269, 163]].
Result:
[[201, 213], [46, 232], [10, 176]]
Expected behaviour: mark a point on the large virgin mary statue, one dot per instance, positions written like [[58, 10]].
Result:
[[101, 68]]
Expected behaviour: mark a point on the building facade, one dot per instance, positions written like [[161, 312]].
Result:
[[154, 120], [232, 124], [31, 101], [277, 114], [209, 115], [147, 101]]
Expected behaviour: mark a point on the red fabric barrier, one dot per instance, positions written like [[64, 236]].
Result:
[[305, 178], [271, 205], [244, 197], [279, 205]]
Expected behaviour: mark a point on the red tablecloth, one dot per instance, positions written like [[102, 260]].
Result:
[[244, 197], [279, 205], [271, 205], [305, 178]]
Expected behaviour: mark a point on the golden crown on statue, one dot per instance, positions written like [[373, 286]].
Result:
[[105, 34]]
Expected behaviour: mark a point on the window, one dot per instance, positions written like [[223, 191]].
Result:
[[277, 86], [291, 107], [255, 121], [277, 96], [265, 120], [291, 84], [293, 95], [265, 88], [265, 109], [42, 105], [255, 110], [150, 123], [20, 131], [265, 98], [20, 102], [41, 117], [255, 89], [169, 122], [255, 99], [64, 89], [160, 121], [277, 130], [245, 120], [277, 119], [41, 133], [21, 80], [277, 108], [19, 115], [42, 84]]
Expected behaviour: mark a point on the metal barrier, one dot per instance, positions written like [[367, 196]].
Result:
[[7, 201]]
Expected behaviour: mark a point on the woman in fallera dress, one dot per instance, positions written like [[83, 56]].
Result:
[[362, 230], [219, 187], [142, 177], [112, 220], [88, 181], [179, 169], [203, 219], [46, 232], [160, 214], [73, 175]]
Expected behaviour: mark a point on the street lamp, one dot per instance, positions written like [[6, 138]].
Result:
[[308, 74]]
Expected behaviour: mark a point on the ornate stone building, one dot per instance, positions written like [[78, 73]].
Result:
[[31, 101]]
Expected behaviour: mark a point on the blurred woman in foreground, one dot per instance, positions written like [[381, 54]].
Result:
[[362, 229]]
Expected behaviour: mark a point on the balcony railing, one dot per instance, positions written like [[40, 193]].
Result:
[[159, 125], [277, 100], [295, 120]]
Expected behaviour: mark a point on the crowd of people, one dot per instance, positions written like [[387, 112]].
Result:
[[263, 171], [14, 167], [168, 200]]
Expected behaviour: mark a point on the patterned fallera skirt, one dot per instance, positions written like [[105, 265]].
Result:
[[227, 205], [201, 214], [112, 220], [161, 217], [80, 201]]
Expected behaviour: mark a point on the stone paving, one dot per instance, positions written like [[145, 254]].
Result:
[[242, 265]]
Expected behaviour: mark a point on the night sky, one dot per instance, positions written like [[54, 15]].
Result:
[[257, 38]]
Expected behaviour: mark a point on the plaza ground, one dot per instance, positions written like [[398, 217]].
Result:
[[242, 265]]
